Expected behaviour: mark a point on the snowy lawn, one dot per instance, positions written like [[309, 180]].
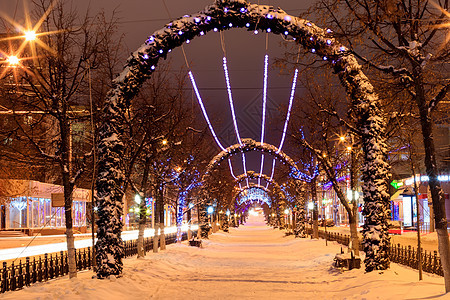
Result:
[[251, 262]]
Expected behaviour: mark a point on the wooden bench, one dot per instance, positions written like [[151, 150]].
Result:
[[195, 243], [347, 261]]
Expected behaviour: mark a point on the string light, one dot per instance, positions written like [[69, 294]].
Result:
[[231, 169], [273, 171], [288, 115], [230, 99], [286, 122], [205, 115], [266, 63], [261, 168], [233, 114], [263, 122], [245, 167]]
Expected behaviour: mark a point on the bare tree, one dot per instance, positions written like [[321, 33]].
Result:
[[51, 80], [406, 42]]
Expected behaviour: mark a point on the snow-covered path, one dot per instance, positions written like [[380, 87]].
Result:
[[250, 262]]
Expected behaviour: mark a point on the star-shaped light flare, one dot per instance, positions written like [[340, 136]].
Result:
[[30, 37]]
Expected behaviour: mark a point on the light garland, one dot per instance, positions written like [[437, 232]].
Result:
[[288, 115], [231, 168], [245, 167], [263, 122], [286, 122], [273, 171], [205, 115], [266, 63], [233, 114], [230, 99], [137, 69]]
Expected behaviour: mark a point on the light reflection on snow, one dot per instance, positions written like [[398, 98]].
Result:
[[22, 252]]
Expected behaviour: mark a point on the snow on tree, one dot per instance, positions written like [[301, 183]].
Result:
[[224, 15]]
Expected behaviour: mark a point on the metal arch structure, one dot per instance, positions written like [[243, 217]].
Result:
[[278, 191], [249, 145], [223, 15], [275, 221], [251, 187]]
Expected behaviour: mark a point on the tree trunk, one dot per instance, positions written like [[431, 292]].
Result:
[[66, 166], [354, 233], [143, 209], [156, 237], [140, 240], [300, 213], [353, 214], [203, 221], [162, 236], [440, 218], [189, 221], [372, 127], [315, 209], [109, 248]]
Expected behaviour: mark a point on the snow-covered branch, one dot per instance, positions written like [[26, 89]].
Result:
[[435, 101]]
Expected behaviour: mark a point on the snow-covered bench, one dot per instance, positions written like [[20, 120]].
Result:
[[195, 242], [347, 261]]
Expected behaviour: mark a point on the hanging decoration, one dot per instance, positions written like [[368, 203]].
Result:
[[224, 15]]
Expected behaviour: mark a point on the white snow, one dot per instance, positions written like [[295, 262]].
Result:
[[250, 262]]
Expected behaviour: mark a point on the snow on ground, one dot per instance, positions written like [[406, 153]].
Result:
[[429, 240], [251, 262]]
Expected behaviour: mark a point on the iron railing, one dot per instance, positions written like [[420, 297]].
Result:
[[53, 265], [404, 255]]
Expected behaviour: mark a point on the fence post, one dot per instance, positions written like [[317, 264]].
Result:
[[45, 267], [20, 276], [12, 285], [34, 277], [435, 265], [4, 278], [27, 272]]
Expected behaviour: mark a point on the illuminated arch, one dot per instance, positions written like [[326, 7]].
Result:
[[278, 191], [222, 15], [249, 145], [253, 187]]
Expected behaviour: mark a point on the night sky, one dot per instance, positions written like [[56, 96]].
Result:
[[245, 54]]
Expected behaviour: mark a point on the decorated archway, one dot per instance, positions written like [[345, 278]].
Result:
[[249, 145], [223, 15], [278, 192], [237, 195]]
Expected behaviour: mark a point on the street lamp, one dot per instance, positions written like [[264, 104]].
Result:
[[30, 35], [13, 60], [137, 199]]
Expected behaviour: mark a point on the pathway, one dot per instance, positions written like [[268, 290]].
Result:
[[250, 262]]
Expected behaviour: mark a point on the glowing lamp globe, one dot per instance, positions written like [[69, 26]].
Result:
[[13, 60], [30, 35]]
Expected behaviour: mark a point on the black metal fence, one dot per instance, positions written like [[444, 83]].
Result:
[[16, 276], [404, 255]]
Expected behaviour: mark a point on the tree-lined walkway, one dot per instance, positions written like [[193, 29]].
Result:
[[251, 262]]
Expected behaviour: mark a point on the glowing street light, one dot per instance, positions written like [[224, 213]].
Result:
[[210, 209], [286, 211], [349, 148], [30, 35], [164, 142], [137, 199], [342, 138], [13, 60]]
